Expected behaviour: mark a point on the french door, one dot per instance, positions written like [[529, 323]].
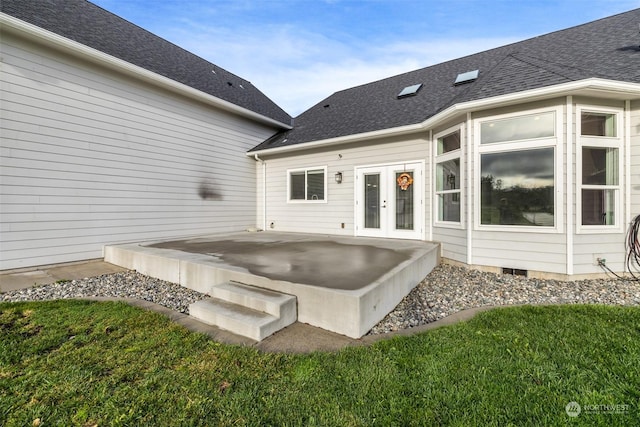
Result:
[[389, 201]]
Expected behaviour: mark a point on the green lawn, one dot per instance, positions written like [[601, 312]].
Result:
[[87, 363]]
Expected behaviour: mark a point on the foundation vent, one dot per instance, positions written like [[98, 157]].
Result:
[[515, 272]]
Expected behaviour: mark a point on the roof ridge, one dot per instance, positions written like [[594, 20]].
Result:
[[596, 49], [527, 60], [95, 27], [175, 46], [479, 83], [497, 48]]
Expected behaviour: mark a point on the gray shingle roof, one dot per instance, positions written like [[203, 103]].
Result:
[[95, 27], [607, 48]]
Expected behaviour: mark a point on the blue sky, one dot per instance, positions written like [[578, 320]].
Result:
[[298, 52]]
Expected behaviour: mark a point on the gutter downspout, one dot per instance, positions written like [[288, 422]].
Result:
[[264, 191]]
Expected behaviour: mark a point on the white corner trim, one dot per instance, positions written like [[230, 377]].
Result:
[[627, 161], [35, 33], [569, 184], [469, 152]]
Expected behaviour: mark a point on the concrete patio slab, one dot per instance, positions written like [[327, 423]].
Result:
[[342, 284]]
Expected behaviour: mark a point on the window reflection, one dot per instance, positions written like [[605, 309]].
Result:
[[449, 207], [598, 124], [448, 143], [518, 128], [517, 188], [599, 166], [448, 175]]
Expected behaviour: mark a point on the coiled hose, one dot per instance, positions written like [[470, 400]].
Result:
[[632, 245], [633, 248]]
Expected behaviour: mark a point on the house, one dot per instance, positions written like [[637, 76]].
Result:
[[112, 134], [524, 158]]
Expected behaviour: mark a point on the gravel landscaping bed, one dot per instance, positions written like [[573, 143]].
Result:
[[446, 290], [128, 284]]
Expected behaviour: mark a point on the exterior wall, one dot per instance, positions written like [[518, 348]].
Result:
[[547, 252], [329, 217], [529, 250], [565, 250], [89, 157]]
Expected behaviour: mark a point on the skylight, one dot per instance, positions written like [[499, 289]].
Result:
[[467, 77], [409, 90]]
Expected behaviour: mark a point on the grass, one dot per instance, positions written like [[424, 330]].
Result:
[[86, 363]]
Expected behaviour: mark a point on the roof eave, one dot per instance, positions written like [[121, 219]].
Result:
[[402, 130], [9, 23], [591, 86]]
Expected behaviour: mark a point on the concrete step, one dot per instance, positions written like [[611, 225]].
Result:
[[246, 310], [275, 303]]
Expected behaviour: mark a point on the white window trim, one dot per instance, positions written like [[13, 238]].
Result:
[[438, 158], [556, 142], [305, 170], [600, 142]]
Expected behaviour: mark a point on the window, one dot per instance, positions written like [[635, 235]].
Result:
[[518, 178], [597, 124], [517, 187], [599, 176], [410, 90], [467, 77], [518, 128], [599, 185], [448, 177], [307, 185]]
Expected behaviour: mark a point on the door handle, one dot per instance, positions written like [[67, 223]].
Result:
[[384, 203]]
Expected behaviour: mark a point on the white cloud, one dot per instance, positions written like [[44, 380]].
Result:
[[297, 68]]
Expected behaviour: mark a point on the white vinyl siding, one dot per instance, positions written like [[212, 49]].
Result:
[[453, 241], [589, 247], [89, 157], [328, 217], [526, 251]]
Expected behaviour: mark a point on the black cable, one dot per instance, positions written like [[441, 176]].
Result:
[[606, 267], [632, 246]]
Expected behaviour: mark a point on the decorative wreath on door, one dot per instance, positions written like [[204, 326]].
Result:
[[404, 181]]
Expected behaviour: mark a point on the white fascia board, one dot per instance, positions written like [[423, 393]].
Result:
[[35, 33], [402, 130], [624, 89]]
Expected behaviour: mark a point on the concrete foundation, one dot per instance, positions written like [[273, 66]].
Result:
[[344, 285]]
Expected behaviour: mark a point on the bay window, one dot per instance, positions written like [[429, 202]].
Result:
[[518, 163], [448, 177]]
